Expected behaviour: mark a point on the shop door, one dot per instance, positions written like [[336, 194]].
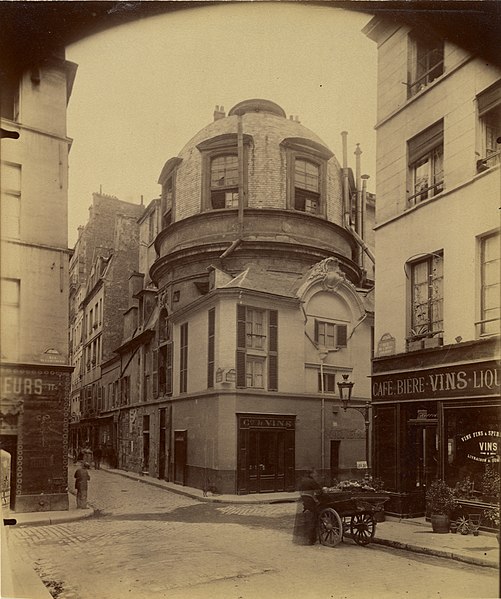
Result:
[[162, 453], [180, 455], [266, 461], [426, 458], [9, 444]]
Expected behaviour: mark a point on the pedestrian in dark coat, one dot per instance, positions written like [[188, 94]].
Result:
[[98, 454], [82, 478], [305, 525]]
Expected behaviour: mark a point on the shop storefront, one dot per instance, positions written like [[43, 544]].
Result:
[[34, 413], [266, 453], [437, 415]]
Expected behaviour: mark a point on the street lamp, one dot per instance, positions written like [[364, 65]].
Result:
[[345, 388]]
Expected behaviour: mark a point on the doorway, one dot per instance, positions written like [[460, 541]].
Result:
[[180, 456], [266, 461]]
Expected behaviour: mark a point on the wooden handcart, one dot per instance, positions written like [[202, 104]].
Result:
[[341, 512]]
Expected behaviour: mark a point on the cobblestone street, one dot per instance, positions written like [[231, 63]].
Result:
[[148, 542]]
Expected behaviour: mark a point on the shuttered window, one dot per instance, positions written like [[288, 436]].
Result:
[[331, 334], [257, 348]]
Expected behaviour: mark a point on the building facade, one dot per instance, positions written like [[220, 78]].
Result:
[[105, 255], [35, 369], [254, 303], [435, 381]]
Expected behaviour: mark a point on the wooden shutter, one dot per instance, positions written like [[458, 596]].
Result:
[[341, 335], [154, 368], [316, 331], [169, 352], [211, 347], [272, 350], [241, 347]]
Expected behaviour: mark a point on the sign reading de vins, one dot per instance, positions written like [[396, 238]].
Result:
[[451, 381]]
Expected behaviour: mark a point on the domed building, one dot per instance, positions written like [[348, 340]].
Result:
[[263, 303]]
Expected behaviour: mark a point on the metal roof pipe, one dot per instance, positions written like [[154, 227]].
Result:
[[346, 189]]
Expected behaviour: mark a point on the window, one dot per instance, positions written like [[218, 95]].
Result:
[[426, 62], [152, 226], [330, 334], [306, 186], [427, 297], [490, 292], [224, 181], [183, 359], [124, 390], [10, 200], [306, 175], [255, 336], [220, 171], [257, 348], [329, 382], [489, 112], [254, 372], [10, 290], [167, 180], [9, 106], [426, 164]]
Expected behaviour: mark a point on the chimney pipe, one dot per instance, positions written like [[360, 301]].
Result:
[[219, 112], [346, 191]]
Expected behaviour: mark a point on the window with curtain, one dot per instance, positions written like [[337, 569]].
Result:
[[426, 62], [426, 164]]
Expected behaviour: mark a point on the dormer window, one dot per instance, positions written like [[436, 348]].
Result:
[[220, 171], [306, 175], [306, 186], [167, 180], [224, 181]]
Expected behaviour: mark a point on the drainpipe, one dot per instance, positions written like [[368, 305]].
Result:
[[358, 186], [240, 151], [240, 144], [346, 191], [363, 227]]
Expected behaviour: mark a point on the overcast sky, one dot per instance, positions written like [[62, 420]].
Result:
[[144, 89]]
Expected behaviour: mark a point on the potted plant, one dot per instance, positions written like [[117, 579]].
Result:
[[440, 502]]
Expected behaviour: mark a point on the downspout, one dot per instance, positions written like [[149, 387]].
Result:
[[346, 191], [240, 154], [358, 187]]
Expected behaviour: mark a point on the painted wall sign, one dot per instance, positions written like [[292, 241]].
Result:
[[482, 445], [267, 422], [451, 381]]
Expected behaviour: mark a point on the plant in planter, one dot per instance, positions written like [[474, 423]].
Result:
[[440, 502], [491, 483]]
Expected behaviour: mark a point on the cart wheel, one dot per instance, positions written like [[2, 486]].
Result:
[[330, 527], [363, 528]]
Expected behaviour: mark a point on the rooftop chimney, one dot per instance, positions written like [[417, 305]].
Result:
[[219, 113]]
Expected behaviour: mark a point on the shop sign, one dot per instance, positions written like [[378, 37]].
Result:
[[482, 445], [267, 422], [452, 381]]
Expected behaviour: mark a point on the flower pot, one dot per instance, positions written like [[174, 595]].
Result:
[[440, 523]]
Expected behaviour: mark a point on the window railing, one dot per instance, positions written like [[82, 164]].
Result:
[[489, 161], [434, 189], [426, 78]]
